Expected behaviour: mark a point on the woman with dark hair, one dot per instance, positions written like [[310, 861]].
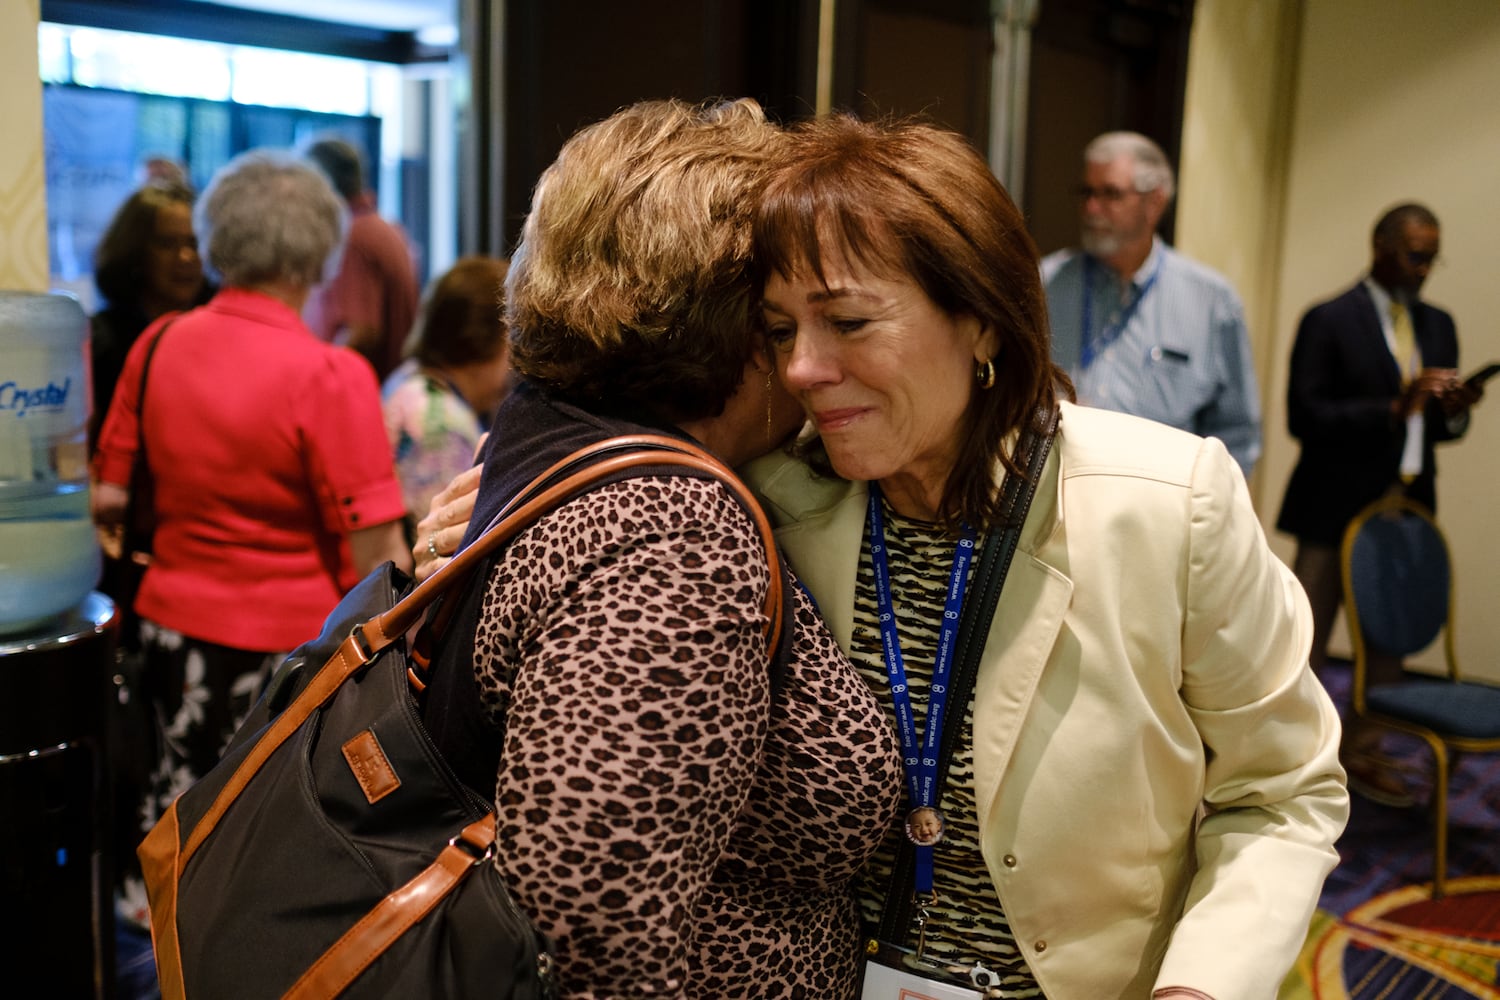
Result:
[[273, 489], [677, 822], [145, 265], [1145, 790], [439, 401]]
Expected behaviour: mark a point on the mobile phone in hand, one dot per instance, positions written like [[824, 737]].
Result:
[[1478, 378]]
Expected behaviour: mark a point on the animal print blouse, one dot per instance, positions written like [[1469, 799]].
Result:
[[671, 833]]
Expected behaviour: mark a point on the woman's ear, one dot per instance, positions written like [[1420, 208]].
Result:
[[761, 359], [986, 342]]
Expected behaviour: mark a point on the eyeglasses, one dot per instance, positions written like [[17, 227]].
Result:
[[1109, 194], [1416, 259]]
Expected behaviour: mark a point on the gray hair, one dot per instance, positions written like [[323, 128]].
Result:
[[268, 216], [1152, 169]]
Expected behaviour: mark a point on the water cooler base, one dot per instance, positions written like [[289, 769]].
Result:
[[56, 868]]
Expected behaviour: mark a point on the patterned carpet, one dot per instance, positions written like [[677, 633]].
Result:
[[1377, 932]]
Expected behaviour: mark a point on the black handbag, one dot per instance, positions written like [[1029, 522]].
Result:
[[332, 851]]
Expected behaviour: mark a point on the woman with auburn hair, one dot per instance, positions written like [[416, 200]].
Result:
[[680, 818], [273, 490], [1143, 792]]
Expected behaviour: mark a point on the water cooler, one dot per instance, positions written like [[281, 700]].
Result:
[[57, 643]]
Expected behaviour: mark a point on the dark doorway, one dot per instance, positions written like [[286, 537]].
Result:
[[917, 57], [1098, 65]]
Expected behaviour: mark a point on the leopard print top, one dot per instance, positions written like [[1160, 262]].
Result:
[[671, 833]]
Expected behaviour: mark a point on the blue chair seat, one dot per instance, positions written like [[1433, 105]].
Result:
[[1457, 708]]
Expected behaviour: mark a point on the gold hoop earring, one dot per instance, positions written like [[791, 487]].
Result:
[[985, 375]]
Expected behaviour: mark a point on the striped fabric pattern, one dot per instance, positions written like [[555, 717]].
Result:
[[967, 925]]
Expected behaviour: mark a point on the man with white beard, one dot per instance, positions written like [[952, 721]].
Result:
[[1140, 328]]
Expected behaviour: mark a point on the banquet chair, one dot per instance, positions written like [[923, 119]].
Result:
[[1398, 599]]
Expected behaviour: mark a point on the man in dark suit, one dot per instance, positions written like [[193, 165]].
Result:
[[1373, 386]]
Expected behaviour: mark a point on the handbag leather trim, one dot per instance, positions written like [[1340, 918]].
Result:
[[351, 954], [158, 854], [372, 769]]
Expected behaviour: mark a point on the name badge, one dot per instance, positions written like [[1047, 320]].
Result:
[[884, 983]]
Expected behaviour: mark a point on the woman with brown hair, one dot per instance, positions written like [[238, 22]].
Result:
[[1144, 789], [146, 265]]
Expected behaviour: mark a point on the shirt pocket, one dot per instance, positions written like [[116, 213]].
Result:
[[1176, 389]]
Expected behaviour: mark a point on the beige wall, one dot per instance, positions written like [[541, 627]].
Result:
[[1389, 101], [1235, 135], [23, 204]]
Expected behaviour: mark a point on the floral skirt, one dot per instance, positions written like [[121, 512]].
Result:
[[195, 693]]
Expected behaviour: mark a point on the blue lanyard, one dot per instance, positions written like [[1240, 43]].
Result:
[[1092, 345], [920, 763]]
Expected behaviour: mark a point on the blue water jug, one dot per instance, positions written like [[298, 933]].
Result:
[[49, 557]]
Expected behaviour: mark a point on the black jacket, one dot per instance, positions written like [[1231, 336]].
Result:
[[1339, 393]]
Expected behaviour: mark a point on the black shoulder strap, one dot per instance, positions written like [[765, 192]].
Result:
[[139, 516], [973, 629], [140, 398]]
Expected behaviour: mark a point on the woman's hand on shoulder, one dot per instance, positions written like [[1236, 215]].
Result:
[[440, 532]]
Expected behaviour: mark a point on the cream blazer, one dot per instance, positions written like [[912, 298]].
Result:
[[1155, 766]]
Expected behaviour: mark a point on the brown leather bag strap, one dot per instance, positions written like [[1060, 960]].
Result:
[[367, 640], [394, 915], [633, 450], [437, 623]]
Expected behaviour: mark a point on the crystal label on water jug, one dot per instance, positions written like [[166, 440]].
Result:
[[49, 559]]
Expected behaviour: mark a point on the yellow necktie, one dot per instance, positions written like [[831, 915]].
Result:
[[1406, 341], [1406, 353]]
